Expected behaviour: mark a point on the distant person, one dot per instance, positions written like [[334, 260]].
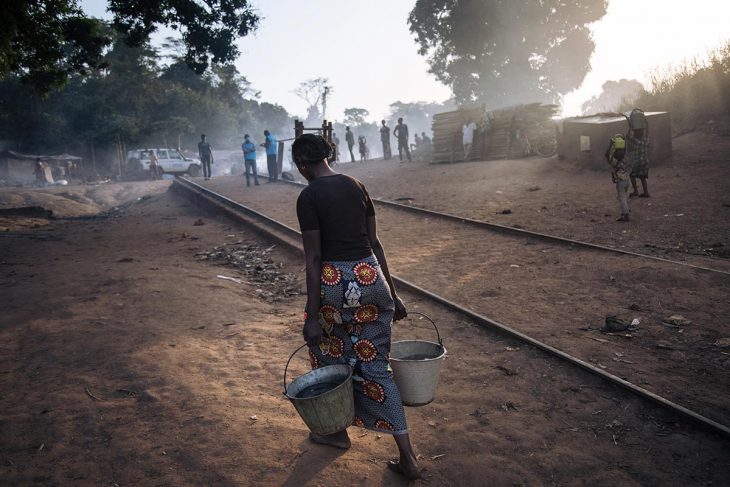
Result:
[[270, 144], [363, 147], [416, 142], [401, 132], [206, 157], [467, 138], [425, 140], [249, 160], [336, 142], [154, 166], [40, 173], [616, 158], [638, 149], [350, 139], [69, 169], [385, 140]]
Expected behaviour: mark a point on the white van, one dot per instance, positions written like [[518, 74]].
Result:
[[171, 161]]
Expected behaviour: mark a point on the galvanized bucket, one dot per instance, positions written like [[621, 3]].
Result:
[[330, 411], [416, 365]]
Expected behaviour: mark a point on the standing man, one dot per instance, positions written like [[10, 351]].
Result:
[[154, 166], [270, 145], [425, 140], [206, 157], [350, 139], [385, 139], [468, 138], [249, 160], [401, 132]]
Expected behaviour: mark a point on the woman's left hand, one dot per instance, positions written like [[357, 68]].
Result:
[[312, 332], [400, 309]]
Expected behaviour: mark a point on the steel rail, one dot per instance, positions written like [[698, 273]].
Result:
[[521, 232], [482, 320]]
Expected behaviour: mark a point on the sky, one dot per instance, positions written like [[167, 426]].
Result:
[[372, 60]]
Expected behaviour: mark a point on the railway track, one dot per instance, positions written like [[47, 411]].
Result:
[[291, 238], [523, 233]]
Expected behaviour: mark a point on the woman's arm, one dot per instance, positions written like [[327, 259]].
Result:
[[312, 331], [400, 308]]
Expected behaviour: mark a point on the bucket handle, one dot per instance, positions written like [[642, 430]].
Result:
[[287, 364], [432, 322]]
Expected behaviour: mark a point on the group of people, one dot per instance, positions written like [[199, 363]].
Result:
[[628, 156], [270, 144], [400, 132], [44, 174]]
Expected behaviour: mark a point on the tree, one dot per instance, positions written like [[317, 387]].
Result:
[[614, 94], [314, 91], [355, 116], [503, 52], [47, 41]]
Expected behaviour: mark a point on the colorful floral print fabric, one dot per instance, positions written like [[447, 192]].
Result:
[[356, 313]]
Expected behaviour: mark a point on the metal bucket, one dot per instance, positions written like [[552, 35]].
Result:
[[416, 365], [330, 411]]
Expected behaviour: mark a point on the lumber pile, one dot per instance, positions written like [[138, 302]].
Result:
[[447, 132], [495, 135]]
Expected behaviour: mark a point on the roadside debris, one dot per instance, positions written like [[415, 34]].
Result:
[[677, 320], [226, 278], [614, 324], [255, 263], [199, 222]]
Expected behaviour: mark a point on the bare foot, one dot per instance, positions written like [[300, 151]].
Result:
[[409, 471], [338, 440]]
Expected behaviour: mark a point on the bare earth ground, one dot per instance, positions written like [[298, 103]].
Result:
[[124, 360], [555, 294]]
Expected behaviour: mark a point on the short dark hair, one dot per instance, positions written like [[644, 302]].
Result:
[[310, 149], [202, 136]]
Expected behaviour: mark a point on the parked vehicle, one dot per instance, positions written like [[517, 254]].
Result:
[[170, 161]]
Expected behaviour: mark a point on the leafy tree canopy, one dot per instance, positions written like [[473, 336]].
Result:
[[47, 41], [355, 116], [503, 52], [614, 95]]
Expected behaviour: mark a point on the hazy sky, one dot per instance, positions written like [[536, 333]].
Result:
[[371, 59]]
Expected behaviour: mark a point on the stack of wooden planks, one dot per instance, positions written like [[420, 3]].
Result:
[[496, 131]]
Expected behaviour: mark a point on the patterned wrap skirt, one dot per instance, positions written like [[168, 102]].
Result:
[[356, 314]]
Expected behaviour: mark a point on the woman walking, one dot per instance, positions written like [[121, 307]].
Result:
[[351, 300]]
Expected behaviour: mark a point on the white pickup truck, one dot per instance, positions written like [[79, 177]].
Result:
[[171, 161]]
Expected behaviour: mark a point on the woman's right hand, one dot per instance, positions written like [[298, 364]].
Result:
[[400, 309], [312, 332]]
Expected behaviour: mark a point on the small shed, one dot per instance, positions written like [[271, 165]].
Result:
[[19, 168], [585, 139]]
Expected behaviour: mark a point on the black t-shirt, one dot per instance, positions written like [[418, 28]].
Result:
[[338, 206]]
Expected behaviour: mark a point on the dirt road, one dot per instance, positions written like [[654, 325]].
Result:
[[125, 360]]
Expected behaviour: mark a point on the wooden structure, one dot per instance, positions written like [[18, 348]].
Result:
[[496, 135], [585, 139], [325, 131], [19, 168]]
